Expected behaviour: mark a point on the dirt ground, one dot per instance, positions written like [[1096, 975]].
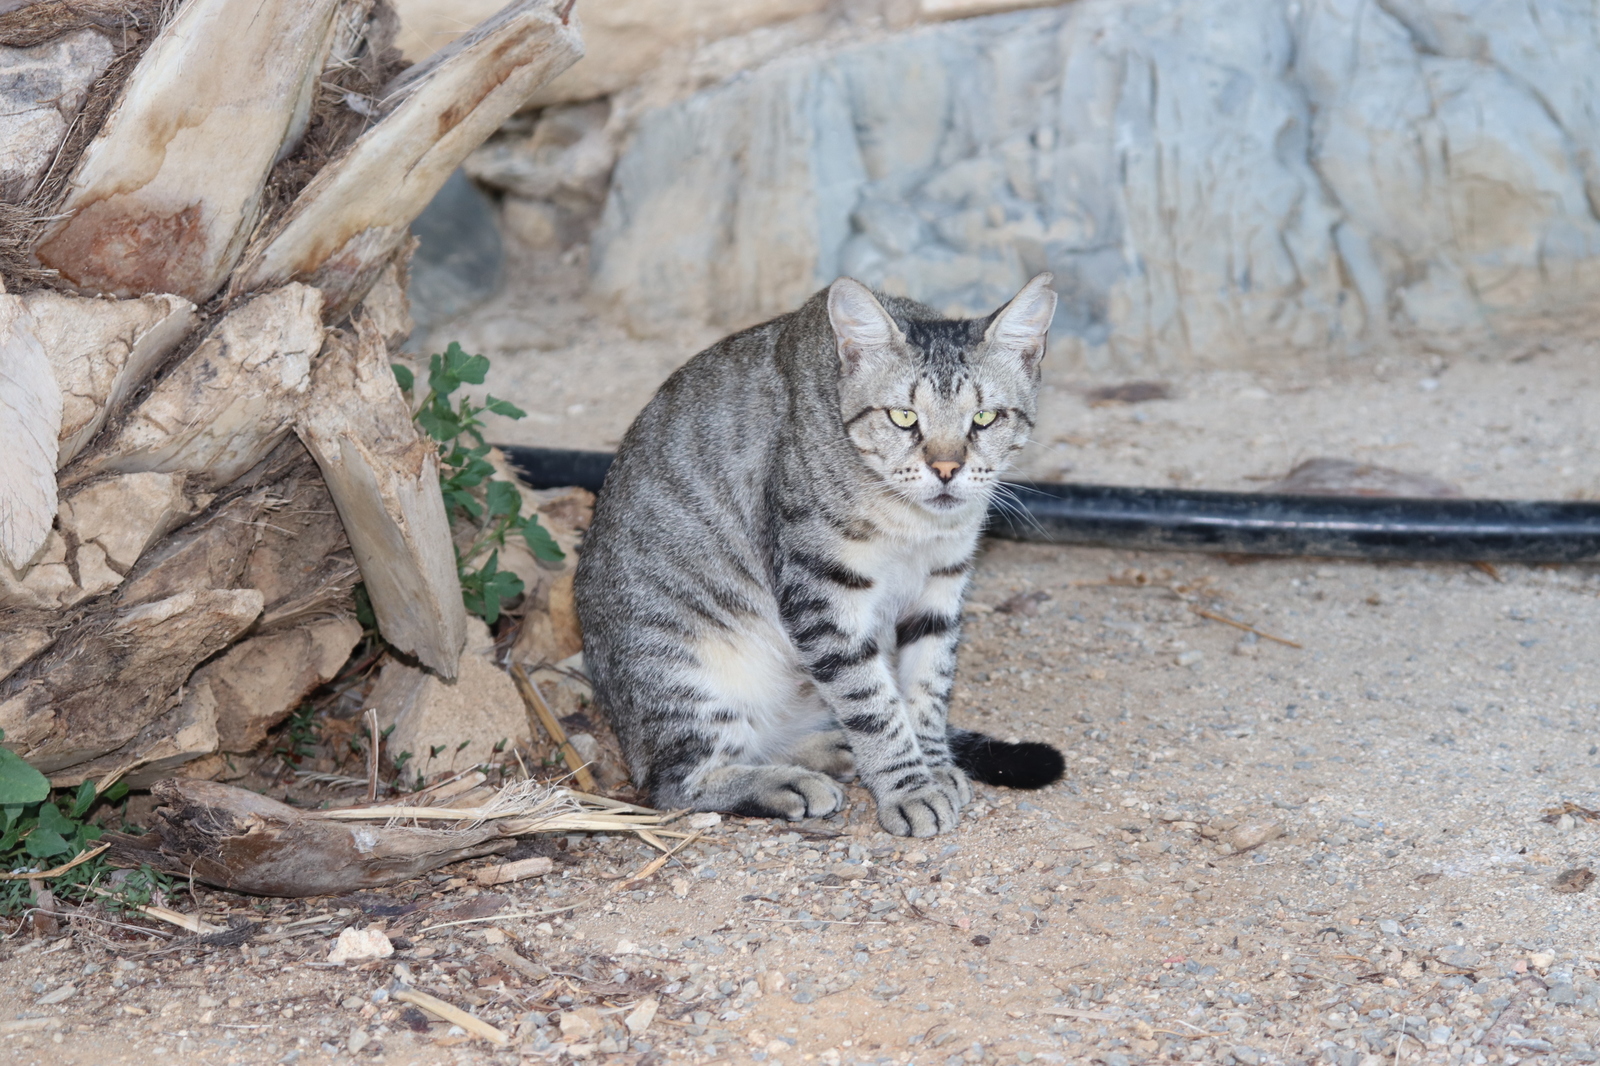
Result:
[[1358, 847]]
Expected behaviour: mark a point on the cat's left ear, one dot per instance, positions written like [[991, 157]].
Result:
[[863, 328], [1022, 326]]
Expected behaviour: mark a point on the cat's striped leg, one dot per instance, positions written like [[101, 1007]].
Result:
[[727, 735], [851, 672], [927, 637]]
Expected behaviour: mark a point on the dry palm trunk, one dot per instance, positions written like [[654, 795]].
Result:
[[205, 260]]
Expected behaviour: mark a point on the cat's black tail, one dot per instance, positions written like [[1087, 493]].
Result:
[[995, 762]]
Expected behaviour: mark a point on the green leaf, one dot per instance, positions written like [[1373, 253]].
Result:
[[471, 369], [541, 543], [83, 800], [404, 376], [503, 498], [115, 792], [439, 427], [43, 843], [51, 818], [364, 614], [19, 782], [504, 407]]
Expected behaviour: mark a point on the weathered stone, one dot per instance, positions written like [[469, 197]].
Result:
[[450, 725], [257, 682], [605, 764], [624, 39], [1277, 177], [566, 157], [43, 89], [459, 258]]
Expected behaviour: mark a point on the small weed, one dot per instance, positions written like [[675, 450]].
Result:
[[299, 735], [492, 509], [39, 832]]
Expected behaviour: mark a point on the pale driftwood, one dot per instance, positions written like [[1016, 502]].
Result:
[[384, 478], [150, 208], [348, 222], [229, 402], [506, 873], [101, 351], [257, 682], [239, 840], [113, 673], [103, 527], [30, 424]]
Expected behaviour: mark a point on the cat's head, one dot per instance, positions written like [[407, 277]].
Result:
[[937, 407]]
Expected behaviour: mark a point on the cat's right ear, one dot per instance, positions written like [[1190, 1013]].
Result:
[[860, 324]]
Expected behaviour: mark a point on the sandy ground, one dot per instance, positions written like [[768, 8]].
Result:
[[1262, 853]]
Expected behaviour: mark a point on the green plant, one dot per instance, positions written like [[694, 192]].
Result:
[[38, 832], [492, 509]]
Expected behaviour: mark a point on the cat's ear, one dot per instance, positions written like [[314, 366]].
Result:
[[861, 325], [1022, 326]]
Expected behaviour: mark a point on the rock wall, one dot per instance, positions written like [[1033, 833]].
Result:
[[1207, 182]]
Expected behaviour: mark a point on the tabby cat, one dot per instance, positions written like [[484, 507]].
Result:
[[771, 589]]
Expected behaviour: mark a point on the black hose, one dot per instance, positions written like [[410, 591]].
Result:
[[1353, 527]]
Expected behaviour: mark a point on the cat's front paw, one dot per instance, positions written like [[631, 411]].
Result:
[[923, 812], [954, 783], [789, 792]]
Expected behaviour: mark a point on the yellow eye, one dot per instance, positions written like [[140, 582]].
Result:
[[902, 418], [983, 418]]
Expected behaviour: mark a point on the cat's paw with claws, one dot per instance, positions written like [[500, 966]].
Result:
[[953, 782], [923, 812], [788, 792], [826, 753]]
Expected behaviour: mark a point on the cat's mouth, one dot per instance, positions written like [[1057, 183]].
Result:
[[944, 501]]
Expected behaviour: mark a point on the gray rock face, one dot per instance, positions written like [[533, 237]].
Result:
[[1206, 181], [41, 89]]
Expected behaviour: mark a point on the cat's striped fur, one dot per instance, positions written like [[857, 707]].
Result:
[[771, 589]]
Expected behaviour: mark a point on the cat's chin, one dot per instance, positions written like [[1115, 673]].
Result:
[[945, 503]]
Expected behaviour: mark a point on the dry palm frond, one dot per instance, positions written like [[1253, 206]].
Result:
[[521, 808]]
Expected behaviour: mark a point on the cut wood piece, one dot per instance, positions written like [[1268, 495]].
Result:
[[103, 527], [239, 840], [184, 734], [101, 351], [25, 634], [226, 404], [386, 302], [348, 221], [277, 532], [149, 208], [256, 683], [114, 672], [30, 424], [384, 478], [449, 726]]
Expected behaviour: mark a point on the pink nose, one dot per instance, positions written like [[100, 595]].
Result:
[[945, 468]]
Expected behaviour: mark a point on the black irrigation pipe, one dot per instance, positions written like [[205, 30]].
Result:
[[1353, 527]]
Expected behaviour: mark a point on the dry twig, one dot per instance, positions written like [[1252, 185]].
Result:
[[539, 713], [454, 1015]]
